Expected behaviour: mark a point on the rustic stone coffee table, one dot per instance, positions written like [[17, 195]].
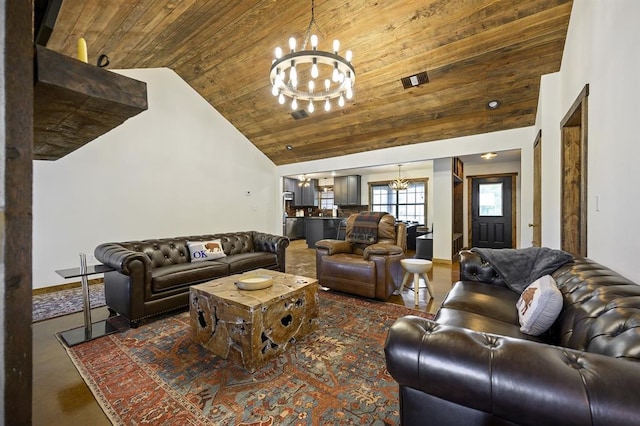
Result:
[[251, 327]]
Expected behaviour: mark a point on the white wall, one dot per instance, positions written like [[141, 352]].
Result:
[[178, 168], [549, 112], [601, 50], [521, 139]]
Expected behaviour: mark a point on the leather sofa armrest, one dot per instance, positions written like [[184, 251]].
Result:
[[517, 380], [335, 246], [273, 244], [381, 250], [474, 268], [120, 258], [269, 242]]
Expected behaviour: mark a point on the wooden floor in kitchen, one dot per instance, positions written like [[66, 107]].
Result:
[[60, 396]]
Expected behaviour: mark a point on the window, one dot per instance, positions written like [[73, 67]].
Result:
[[490, 199], [326, 199], [408, 205]]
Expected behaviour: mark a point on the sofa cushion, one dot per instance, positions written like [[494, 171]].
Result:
[[484, 324], [242, 262], [186, 274], [539, 306], [488, 300], [205, 250]]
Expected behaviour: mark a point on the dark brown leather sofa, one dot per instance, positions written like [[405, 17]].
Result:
[[368, 270], [153, 276], [473, 366]]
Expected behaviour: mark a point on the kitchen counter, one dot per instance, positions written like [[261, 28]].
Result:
[[319, 228]]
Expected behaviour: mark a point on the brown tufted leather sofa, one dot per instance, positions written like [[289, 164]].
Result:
[[472, 366], [153, 276], [369, 270]]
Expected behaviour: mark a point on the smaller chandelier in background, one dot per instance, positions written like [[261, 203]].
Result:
[[294, 74], [399, 184], [304, 181]]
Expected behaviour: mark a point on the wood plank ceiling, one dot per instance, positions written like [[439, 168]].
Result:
[[472, 50]]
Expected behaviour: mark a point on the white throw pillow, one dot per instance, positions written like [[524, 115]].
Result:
[[205, 250], [539, 306]]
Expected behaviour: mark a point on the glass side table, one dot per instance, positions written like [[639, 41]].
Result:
[[90, 330]]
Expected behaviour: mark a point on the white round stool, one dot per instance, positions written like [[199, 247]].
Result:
[[417, 267]]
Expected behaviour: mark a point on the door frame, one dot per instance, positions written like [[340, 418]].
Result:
[[514, 226], [536, 223], [573, 128]]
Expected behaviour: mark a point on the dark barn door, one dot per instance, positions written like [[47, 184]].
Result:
[[491, 219]]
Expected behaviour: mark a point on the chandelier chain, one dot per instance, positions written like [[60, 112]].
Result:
[[312, 22]]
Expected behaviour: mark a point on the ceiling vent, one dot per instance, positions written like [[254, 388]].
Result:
[[415, 80], [299, 114]]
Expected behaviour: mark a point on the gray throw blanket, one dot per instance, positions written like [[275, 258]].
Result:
[[520, 267]]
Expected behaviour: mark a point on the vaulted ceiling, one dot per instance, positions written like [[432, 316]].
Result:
[[472, 50]]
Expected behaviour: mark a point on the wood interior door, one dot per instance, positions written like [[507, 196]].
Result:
[[537, 192], [574, 177]]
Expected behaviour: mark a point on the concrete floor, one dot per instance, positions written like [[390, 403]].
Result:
[[60, 396]]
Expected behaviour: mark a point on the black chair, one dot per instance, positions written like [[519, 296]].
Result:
[[342, 230]]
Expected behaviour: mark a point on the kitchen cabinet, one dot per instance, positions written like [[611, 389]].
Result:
[[346, 191], [309, 194], [290, 185], [303, 196]]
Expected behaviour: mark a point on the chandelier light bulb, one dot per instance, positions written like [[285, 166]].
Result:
[[341, 101], [281, 98], [314, 68], [327, 105], [327, 85], [292, 44], [335, 76], [274, 90], [278, 52], [336, 46], [349, 93], [312, 86], [294, 104], [348, 55], [314, 42], [311, 108]]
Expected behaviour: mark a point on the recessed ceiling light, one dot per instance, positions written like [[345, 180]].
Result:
[[493, 104], [489, 155], [289, 147]]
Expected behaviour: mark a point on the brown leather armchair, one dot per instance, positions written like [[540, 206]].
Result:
[[365, 269]]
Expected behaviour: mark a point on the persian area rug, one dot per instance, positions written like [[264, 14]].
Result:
[[65, 302], [156, 375]]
